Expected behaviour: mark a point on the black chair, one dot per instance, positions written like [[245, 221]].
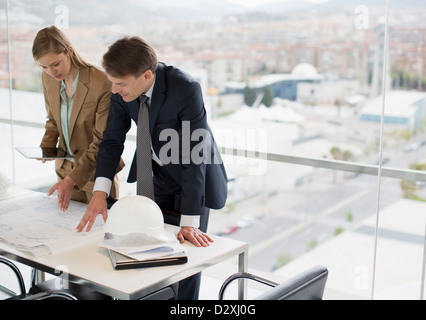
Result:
[[82, 292], [308, 285], [47, 295], [79, 292], [23, 295], [19, 278], [47, 290]]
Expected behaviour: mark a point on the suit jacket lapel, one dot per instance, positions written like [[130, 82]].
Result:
[[79, 96], [158, 95], [53, 98]]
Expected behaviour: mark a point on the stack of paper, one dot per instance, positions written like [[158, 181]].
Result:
[[141, 251], [141, 247]]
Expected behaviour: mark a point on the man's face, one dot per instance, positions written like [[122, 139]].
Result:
[[131, 87]]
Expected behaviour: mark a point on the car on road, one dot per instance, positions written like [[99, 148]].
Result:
[[228, 230], [245, 221], [412, 147]]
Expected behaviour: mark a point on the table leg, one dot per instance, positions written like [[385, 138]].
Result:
[[37, 276], [242, 267]]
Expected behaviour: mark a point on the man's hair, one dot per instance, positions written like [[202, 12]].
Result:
[[129, 56]]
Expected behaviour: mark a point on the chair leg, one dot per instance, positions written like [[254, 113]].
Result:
[[17, 272], [244, 275]]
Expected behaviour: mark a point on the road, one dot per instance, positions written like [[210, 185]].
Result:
[[313, 212]]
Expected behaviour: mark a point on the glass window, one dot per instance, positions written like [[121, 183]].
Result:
[[330, 96], [6, 173]]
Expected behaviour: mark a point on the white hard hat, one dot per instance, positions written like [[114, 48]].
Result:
[[135, 215]]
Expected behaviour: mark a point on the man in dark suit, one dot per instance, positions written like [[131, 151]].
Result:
[[189, 176]]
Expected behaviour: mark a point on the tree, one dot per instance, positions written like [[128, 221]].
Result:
[[336, 153], [339, 154], [408, 187], [268, 96], [249, 96]]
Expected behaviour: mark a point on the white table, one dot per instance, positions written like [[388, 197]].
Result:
[[90, 265]]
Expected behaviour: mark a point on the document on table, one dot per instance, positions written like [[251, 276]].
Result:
[[35, 223], [138, 251], [141, 248]]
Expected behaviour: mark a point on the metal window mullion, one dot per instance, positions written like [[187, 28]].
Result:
[[330, 164], [9, 61]]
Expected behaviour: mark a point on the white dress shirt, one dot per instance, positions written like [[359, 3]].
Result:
[[104, 184]]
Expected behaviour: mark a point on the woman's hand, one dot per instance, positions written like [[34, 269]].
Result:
[[64, 188]]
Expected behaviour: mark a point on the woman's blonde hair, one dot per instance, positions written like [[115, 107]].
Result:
[[51, 39]]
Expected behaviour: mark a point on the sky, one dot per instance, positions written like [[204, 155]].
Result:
[[253, 3]]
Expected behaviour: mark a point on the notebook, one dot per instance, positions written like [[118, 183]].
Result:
[[121, 261]]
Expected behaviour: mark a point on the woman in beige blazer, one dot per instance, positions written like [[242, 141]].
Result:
[[77, 97]]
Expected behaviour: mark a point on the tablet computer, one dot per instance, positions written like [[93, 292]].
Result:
[[43, 153]]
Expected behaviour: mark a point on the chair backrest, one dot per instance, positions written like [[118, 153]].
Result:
[[309, 285], [18, 275]]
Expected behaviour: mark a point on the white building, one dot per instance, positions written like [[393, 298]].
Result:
[[404, 108]]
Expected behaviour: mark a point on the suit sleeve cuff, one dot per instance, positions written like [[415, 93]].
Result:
[[103, 184], [190, 221]]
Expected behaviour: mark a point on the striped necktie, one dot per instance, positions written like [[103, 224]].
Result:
[[145, 185]]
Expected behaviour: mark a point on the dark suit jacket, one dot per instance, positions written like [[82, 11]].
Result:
[[176, 100]]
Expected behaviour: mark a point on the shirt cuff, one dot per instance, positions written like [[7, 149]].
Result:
[[102, 184], [190, 221]]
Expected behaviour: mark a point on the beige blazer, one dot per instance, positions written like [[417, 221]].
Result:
[[88, 121]]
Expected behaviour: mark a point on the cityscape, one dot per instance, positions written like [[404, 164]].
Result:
[[300, 78], [339, 38]]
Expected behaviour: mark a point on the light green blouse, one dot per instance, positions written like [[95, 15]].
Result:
[[66, 107]]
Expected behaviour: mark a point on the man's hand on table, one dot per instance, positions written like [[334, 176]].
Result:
[[98, 205], [195, 236]]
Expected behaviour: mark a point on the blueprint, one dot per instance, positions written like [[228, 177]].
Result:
[[34, 222]]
